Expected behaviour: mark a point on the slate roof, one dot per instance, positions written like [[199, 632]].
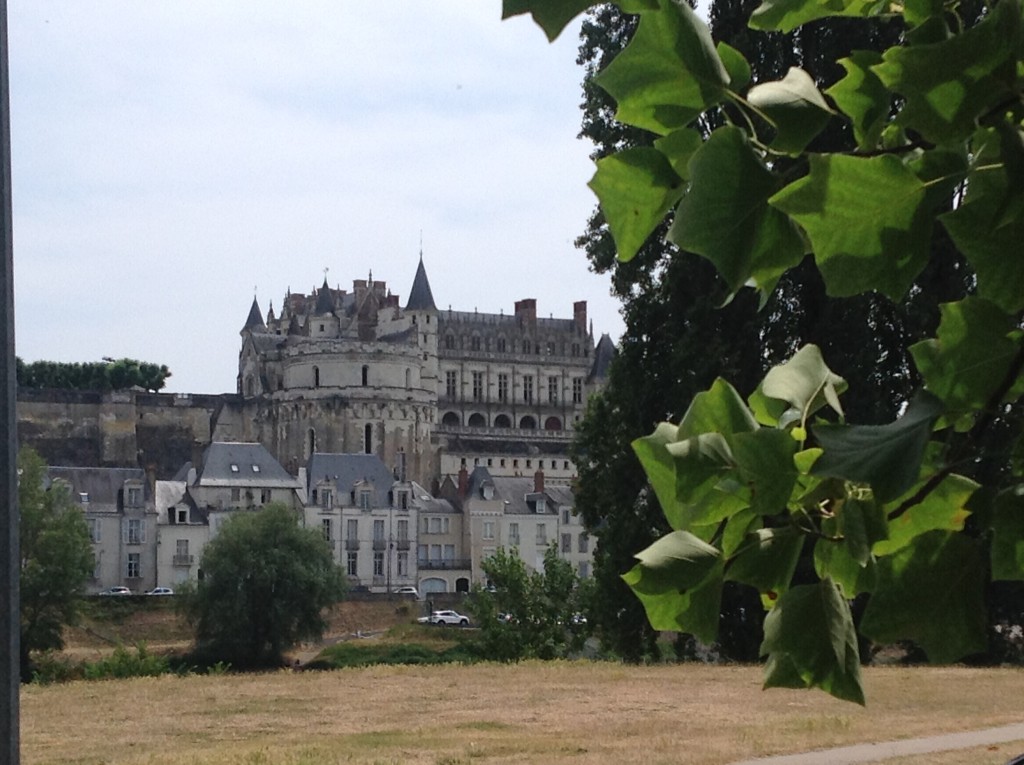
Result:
[[254, 322], [324, 300], [103, 485], [603, 355], [242, 464], [346, 470], [420, 296]]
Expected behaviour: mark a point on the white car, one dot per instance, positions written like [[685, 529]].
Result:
[[442, 618], [116, 591], [161, 591], [408, 591]]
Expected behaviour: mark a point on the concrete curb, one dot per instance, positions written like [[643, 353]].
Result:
[[850, 755]]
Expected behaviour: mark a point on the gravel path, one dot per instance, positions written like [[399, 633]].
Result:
[[850, 755]]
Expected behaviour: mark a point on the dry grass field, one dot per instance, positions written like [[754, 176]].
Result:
[[554, 713]]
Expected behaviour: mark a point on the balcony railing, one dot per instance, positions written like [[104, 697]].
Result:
[[402, 544], [183, 560], [380, 544], [454, 564]]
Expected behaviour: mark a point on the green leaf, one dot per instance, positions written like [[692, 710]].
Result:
[[678, 580], [863, 98], [970, 356], [765, 462], [943, 509], [550, 15], [795, 107], [794, 390], [668, 74], [931, 592], [888, 457], [1008, 537], [726, 218], [787, 15], [810, 642], [736, 65], [950, 85], [636, 188], [720, 409], [990, 224], [678, 147], [767, 559], [834, 559], [660, 467], [864, 216]]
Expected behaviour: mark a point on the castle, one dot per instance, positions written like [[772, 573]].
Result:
[[427, 390], [417, 440]]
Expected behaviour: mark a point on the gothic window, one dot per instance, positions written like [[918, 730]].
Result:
[[449, 341], [474, 343], [501, 345]]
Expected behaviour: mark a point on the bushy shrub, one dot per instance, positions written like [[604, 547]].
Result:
[[125, 663]]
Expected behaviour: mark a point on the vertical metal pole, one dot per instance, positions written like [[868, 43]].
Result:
[[10, 622]]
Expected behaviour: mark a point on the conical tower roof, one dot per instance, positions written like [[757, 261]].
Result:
[[324, 300], [255, 321], [420, 297]]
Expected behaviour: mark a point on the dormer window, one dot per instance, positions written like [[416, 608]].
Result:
[[542, 505], [182, 515], [364, 499], [133, 496], [83, 497]]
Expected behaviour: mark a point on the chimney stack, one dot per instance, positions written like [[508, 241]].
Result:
[[526, 312], [463, 482], [579, 316], [538, 482]]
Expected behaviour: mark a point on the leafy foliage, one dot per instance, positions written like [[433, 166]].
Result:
[[932, 178], [265, 584], [529, 614], [105, 375], [56, 559]]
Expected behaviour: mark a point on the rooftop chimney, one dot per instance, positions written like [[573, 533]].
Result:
[[526, 311], [463, 482], [579, 316], [538, 482]]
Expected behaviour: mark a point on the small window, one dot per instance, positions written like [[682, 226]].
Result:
[[255, 468], [83, 497], [182, 515], [234, 468]]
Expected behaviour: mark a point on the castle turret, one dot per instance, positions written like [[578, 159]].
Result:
[[254, 323]]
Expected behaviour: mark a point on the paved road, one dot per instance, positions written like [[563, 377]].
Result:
[[850, 755]]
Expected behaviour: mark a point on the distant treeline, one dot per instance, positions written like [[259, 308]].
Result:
[[109, 374]]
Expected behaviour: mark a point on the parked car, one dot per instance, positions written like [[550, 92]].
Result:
[[116, 591], [443, 618], [408, 591], [161, 591]]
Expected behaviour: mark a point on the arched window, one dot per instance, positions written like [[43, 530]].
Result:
[[474, 343], [368, 439], [552, 423], [528, 423], [476, 420], [366, 375], [502, 421], [502, 345], [316, 377], [449, 341], [451, 419]]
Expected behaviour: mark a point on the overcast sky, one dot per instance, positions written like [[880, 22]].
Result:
[[170, 158]]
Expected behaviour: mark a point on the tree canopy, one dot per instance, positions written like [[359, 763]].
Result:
[[529, 614], [747, 481], [109, 374], [265, 584], [56, 559]]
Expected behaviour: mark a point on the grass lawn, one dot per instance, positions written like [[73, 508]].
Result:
[[526, 713]]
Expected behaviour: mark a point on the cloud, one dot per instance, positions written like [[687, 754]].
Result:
[[170, 157]]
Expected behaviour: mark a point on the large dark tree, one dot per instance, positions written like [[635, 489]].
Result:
[[265, 584]]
